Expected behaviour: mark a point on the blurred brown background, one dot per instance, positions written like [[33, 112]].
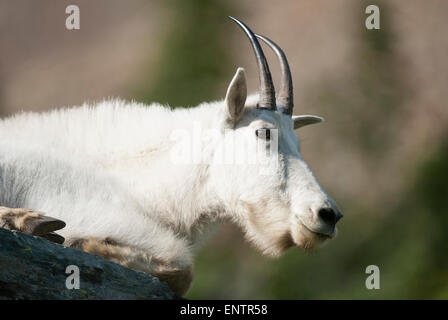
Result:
[[382, 153]]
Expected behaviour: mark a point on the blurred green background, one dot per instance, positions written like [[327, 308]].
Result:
[[382, 153]]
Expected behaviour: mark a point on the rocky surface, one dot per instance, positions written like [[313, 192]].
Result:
[[34, 268]]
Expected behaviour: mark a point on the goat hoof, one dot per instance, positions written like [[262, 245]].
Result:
[[28, 221], [53, 237], [42, 225]]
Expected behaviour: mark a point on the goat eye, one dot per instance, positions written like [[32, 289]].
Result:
[[263, 133]]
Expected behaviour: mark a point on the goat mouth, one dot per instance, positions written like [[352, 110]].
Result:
[[319, 235], [322, 236], [307, 239]]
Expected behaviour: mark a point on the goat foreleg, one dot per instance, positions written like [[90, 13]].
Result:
[[177, 275]]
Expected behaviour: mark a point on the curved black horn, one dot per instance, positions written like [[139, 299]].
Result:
[[267, 91], [285, 101]]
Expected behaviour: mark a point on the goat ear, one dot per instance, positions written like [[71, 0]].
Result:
[[301, 121], [236, 95]]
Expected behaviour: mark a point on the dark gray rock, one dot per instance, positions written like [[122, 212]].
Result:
[[34, 268]]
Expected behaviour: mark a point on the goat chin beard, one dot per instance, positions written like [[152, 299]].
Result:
[[302, 238], [307, 240]]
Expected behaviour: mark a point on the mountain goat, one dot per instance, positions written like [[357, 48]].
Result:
[[110, 178]]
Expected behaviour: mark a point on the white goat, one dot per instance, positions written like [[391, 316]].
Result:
[[107, 171]]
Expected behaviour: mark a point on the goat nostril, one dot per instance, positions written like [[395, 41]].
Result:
[[329, 216]]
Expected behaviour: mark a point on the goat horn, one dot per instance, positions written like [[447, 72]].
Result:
[[285, 96], [267, 91]]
